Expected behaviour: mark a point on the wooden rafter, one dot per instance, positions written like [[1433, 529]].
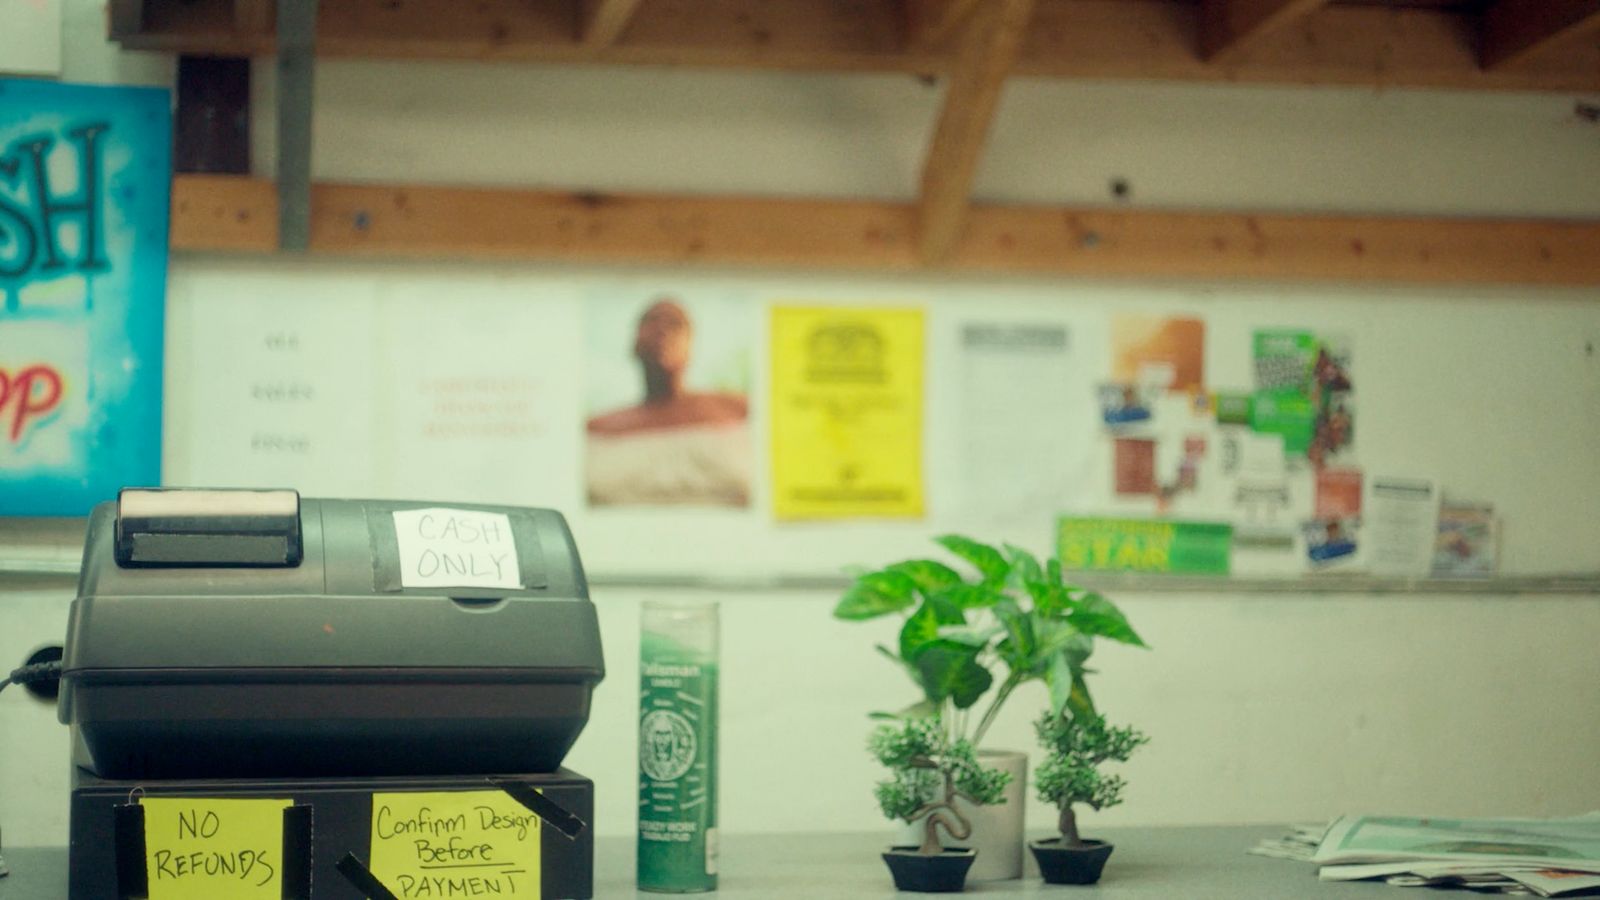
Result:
[[234, 214], [1229, 27], [1101, 39], [931, 23], [988, 51], [1515, 31], [604, 21]]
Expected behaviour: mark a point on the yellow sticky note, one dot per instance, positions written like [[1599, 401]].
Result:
[[847, 388], [455, 844], [202, 848]]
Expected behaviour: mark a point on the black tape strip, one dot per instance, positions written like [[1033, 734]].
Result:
[[548, 811], [297, 853], [385, 547], [530, 555], [128, 833], [356, 872]]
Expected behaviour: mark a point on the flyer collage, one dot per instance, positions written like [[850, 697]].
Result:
[[726, 409]]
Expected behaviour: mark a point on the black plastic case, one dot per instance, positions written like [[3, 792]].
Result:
[[326, 665]]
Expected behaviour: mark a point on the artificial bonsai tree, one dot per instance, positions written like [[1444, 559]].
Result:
[[1077, 741], [930, 769]]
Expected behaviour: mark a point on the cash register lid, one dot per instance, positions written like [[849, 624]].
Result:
[[320, 589]]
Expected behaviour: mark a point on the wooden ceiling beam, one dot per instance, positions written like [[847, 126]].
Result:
[[1387, 47], [1228, 28], [604, 21], [931, 23], [1515, 31], [236, 214], [988, 51]]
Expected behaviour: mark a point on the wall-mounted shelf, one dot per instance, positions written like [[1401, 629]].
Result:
[[48, 551], [236, 214]]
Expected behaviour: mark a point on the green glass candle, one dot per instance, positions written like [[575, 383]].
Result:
[[678, 747]]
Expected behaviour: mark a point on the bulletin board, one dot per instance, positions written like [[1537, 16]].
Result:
[[761, 426]]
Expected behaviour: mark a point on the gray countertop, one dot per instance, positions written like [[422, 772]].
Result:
[[1187, 863]]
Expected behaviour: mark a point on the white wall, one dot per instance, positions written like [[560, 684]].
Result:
[[1263, 708]]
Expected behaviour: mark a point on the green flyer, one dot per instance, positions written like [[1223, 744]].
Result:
[[1290, 415], [1284, 360], [1142, 545]]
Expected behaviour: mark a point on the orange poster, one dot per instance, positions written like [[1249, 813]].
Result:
[[1164, 351]]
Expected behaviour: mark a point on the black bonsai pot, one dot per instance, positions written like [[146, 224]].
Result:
[[941, 873], [1060, 864]]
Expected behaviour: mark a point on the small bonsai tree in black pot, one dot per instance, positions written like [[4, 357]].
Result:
[[929, 771], [1076, 744]]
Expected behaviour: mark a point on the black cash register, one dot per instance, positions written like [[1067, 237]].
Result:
[[253, 643]]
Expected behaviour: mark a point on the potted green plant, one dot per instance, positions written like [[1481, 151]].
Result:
[[1011, 616], [1076, 745], [929, 771]]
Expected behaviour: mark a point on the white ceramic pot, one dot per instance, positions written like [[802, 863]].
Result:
[[996, 829]]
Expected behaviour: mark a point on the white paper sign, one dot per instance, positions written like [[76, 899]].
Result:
[[442, 547], [1399, 523]]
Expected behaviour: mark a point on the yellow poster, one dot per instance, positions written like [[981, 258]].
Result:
[[455, 844], [202, 848], [846, 412]]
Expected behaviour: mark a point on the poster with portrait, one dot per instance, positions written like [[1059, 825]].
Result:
[[847, 392], [85, 177], [668, 399]]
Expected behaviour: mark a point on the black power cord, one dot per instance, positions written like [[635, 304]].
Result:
[[34, 674]]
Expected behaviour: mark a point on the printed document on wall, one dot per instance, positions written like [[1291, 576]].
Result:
[[1400, 520], [474, 406], [1023, 401], [847, 387], [281, 386]]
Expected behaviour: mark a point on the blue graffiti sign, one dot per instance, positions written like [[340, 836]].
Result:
[[85, 176]]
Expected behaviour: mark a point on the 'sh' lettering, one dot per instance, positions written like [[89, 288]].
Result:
[[53, 208]]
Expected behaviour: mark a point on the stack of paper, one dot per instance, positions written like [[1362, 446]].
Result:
[[1548, 857]]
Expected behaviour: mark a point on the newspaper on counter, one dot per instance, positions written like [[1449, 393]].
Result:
[[1547, 857]]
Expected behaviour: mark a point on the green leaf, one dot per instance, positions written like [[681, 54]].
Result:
[[1053, 637], [930, 576], [875, 594], [1018, 647], [1079, 702], [985, 558], [922, 627], [970, 635], [1049, 598], [1052, 571], [1100, 617], [950, 671], [1024, 565], [972, 596], [1058, 678]]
